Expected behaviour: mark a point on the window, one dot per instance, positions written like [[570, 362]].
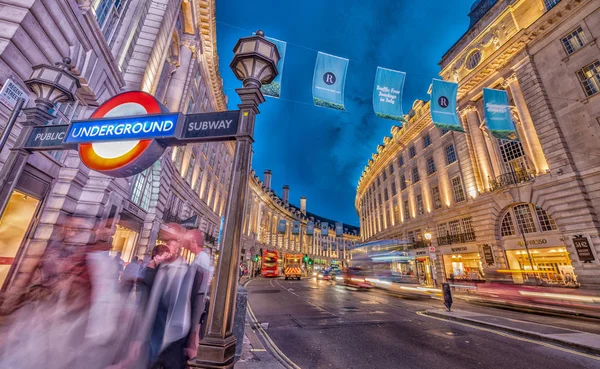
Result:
[[378, 182], [396, 211], [400, 161], [443, 131], [394, 191], [384, 174], [450, 154], [142, 189], [406, 210], [190, 169], [550, 3], [468, 229], [386, 197], [506, 227], [212, 159], [524, 218], [546, 223], [589, 77], [379, 198], [513, 156], [442, 229], [402, 182], [415, 175], [108, 14], [430, 166], [426, 140], [473, 60], [391, 169], [420, 208], [436, 197], [454, 227], [457, 190], [573, 41], [412, 152]]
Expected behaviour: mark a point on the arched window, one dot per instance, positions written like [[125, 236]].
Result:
[[142, 189], [473, 60], [525, 219]]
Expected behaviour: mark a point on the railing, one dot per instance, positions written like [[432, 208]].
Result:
[[456, 238], [170, 217], [417, 245], [511, 179]]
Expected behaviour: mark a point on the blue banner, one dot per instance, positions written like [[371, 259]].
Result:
[[273, 89], [329, 80], [310, 228], [324, 229], [296, 227], [443, 105], [281, 226], [497, 114], [339, 229], [387, 94]]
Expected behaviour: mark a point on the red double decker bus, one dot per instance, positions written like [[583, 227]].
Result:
[[270, 267]]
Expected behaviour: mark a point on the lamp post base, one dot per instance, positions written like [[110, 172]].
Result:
[[215, 353]]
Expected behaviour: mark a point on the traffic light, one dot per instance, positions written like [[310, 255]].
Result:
[[255, 257], [310, 261], [305, 258]]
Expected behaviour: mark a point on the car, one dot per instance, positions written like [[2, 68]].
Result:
[[355, 277]]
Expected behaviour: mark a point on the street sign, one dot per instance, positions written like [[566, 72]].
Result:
[[209, 125], [11, 92], [584, 251], [47, 137], [431, 249]]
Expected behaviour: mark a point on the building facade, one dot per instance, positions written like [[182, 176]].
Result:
[[164, 47], [265, 211], [526, 209]]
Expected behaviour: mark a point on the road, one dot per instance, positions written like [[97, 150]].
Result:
[[323, 325]]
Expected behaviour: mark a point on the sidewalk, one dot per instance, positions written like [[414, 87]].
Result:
[[582, 341], [254, 355]]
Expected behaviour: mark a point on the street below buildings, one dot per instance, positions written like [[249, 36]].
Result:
[[320, 324]]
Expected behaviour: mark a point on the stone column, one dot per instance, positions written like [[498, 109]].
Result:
[[529, 135], [177, 82], [482, 158]]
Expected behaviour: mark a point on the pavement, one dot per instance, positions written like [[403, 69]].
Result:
[[310, 324]]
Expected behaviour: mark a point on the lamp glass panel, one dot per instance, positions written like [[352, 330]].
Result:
[[249, 65], [49, 75], [265, 49], [67, 82], [248, 46], [36, 73], [241, 72], [261, 73]]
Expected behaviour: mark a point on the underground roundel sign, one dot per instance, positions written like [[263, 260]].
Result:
[[119, 139]]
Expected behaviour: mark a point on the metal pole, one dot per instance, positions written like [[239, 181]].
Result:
[[11, 122], [527, 248]]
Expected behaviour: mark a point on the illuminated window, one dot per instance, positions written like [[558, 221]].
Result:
[[468, 229], [454, 227], [430, 166], [546, 223], [450, 154], [473, 60], [524, 218], [574, 41], [415, 175], [142, 189], [457, 190], [436, 197], [589, 76], [426, 140], [506, 227], [442, 229], [513, 156], [420, 208]]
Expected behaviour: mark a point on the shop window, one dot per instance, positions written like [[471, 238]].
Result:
[[574, 41], [142, 189], [506, 227], [436, 197], [524, 218], [457, 189], [124, 241], [450, 154], [14, 224], [589, 77]]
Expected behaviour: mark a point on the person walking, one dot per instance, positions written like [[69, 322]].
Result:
[[131, 273]]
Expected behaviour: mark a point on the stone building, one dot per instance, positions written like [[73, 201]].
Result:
[[264, 211], [525, 209], [163, 47]]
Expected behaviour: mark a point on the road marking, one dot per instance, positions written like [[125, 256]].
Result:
[[515, 337], [258, 350]]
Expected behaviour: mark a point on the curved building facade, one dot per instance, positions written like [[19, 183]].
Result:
[[525, 209]]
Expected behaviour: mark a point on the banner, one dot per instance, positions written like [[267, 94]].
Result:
[[443, 105], [497, 114], [310, 228], [329, 80], [324, 229], [281, 227], [296, 227], [387, 94], [339, 229], [273, 89]]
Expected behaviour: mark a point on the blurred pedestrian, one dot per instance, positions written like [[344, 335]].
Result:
[[131, 274]]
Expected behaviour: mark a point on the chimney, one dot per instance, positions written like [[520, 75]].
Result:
[[286, 194], [267, 179], [303, 205]]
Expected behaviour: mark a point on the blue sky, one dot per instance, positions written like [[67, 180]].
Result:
[[320, 153]]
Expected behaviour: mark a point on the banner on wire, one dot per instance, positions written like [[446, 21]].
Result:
[[281, 226], [443, 105], [329, 81], [387, 94], [497, 114], [339, 229], [296, 227], [273, 89], [310, 228], [324, 229]]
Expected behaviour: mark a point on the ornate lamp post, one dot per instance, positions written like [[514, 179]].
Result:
[[432, 256], [254, 63], [51, 84]]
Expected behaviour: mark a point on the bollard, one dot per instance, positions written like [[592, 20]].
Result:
[[240, 319], [447, 295]]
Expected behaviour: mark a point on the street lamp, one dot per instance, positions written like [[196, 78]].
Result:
[[432, 256], [51, 84], [427, 236], [254, 63]]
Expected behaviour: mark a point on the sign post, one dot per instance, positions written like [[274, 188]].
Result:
[[11, 122]]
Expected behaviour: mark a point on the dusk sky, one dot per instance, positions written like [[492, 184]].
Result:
[[320, 153]]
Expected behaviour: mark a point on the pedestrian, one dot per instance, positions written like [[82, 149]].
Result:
[[131, 274], [241, 272]]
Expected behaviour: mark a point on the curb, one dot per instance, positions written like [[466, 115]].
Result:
[[519, 332]]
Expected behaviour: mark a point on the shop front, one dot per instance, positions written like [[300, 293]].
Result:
[[462, 262], [422, 266], [125, 239], [545, 260]]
